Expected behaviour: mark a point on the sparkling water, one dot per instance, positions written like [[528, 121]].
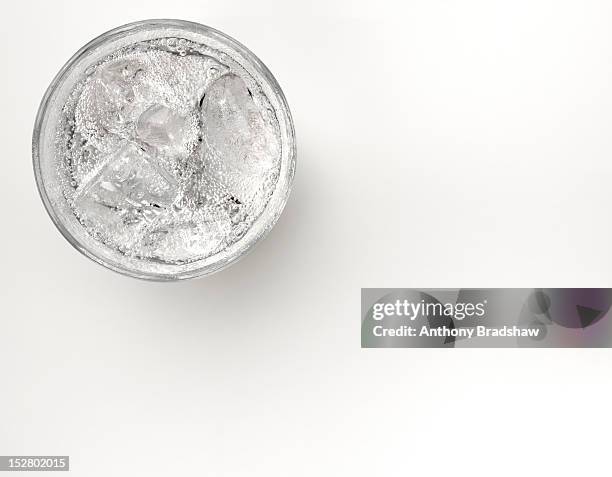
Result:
[[167, 151]]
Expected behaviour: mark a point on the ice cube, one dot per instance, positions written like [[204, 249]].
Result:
[[104, 108], [177, 81], [171, 240], [242, 144], [117, 77], [161, 127], [123, 194]]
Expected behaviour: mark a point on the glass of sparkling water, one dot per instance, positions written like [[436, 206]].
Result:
[[164, 150]]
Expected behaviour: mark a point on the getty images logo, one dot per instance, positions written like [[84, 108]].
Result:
[[412, 310]]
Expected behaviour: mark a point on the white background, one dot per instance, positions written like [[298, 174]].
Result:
[[440, 144]]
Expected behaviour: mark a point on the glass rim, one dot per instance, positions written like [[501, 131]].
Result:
[[261, 226]]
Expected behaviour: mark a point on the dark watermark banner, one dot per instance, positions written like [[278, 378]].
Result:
[[486, 318]]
